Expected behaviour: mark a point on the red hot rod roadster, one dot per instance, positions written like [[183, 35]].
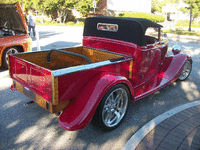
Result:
[[117, 63]]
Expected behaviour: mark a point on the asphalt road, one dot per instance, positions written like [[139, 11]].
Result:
[[31, 127]]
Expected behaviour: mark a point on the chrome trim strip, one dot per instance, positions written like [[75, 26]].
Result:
[[65, 71], [79, 68]]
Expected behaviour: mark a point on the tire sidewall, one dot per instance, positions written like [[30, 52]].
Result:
[[5, 64], [189, 72], [98, 120]]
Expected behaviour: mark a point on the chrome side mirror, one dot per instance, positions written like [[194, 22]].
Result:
[[176, 49]]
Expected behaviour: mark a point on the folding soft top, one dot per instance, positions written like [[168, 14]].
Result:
[[128, 29]]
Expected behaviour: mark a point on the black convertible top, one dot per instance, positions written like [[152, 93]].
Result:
[[129, 29]]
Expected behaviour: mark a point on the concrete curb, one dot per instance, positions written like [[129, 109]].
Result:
[[142, 132]]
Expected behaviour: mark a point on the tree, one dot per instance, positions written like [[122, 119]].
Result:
[[84, 6], [65, 7], [193, 9], [156, 5], [25, 4], [61, 7], [8, 1]]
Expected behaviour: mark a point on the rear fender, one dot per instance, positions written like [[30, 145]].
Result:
[[80, 111]]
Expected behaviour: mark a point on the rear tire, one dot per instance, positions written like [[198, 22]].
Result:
[[112, 108], [186, 71], [10, 50]]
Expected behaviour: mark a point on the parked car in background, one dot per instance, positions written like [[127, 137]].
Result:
[[14, 36]]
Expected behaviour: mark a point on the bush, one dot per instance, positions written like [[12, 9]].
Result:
[[70, 18], [154, 18], [45, 19], [70, 23]]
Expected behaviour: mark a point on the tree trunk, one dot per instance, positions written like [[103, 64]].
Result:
[[190, 19], [64, 16], [59, 16]]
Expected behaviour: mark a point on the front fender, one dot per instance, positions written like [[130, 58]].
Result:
[[173, 65], [80, 111]]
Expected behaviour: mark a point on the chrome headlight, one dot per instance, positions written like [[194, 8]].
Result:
[[176, 49]]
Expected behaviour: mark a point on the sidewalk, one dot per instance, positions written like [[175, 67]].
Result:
[[183, 38], [180, 38], [177, 129]]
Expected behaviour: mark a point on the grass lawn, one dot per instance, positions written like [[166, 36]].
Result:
[[180, 31]]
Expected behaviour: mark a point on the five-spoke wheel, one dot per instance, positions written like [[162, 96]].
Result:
[[112, 107]]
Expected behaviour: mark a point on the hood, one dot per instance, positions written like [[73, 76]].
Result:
[[12, 18]]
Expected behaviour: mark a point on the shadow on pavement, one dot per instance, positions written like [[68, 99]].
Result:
[[2, 69]]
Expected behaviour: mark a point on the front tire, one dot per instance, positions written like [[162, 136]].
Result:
[[186, 71], [10, 50], [112, 108]]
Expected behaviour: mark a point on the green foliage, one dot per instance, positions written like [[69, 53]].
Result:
[[60, 8], [49, 22], [40, 19], [156, 5], [84, 6], [193, 8], [8, 1], [193, 5], [154, 18], [184, 23], [27, 4]]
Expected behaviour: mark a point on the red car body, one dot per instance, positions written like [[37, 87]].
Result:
[[13, 31], [142, 65]]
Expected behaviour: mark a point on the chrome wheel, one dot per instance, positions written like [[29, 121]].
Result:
[[112, 108], [11, 50], [115, 107], [186, 71]]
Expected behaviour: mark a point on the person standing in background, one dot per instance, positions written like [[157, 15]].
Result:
[[31, 24]]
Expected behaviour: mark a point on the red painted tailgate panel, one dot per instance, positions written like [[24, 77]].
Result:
[[36, 78]]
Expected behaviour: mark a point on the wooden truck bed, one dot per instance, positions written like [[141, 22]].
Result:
[[53, 78]]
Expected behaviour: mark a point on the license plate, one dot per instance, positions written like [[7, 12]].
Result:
[[29, 94]]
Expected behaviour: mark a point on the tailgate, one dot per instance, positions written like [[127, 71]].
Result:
[[34, 81]]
